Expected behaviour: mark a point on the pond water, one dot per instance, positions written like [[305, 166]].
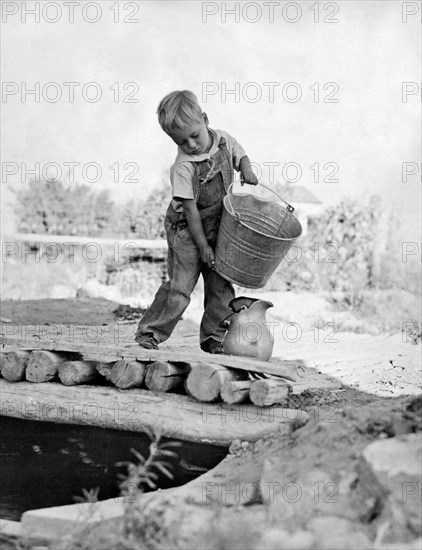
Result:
[[44, 464]]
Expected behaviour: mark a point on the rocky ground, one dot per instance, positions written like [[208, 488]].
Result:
[[349, 479], [350, 484]]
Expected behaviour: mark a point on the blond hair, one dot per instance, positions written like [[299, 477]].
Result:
[[177, 109]]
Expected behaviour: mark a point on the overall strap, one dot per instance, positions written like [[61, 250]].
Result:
[[220, 159], [222, 143]]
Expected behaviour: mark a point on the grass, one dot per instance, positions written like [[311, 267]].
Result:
[[377, 311]]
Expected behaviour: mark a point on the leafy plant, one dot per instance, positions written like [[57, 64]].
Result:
[[337, 254], [51, 207], [145, 471], [145, 219], [90, 495]]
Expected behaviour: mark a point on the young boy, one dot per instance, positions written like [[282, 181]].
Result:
[[200, 177]]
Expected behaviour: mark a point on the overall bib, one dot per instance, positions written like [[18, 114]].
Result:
[[212, 178]]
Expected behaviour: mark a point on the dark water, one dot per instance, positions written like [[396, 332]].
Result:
[[44, 464]]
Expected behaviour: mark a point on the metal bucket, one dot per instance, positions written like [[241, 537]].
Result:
[[254, 236]]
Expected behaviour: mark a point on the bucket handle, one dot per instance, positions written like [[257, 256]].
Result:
[[236, 216]]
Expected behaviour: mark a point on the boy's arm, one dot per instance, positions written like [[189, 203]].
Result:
[[241, 161], [246, 173], [195, 225]]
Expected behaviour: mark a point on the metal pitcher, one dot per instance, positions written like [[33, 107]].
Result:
[[248, 333]]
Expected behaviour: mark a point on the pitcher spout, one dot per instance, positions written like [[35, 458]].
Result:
[[262, 304]]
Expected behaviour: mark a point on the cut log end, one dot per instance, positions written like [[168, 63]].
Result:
[[43, 366], [269, 392], [72, 373], [127, 374], [3, 360], [165, 376], [235, 392], [14, 364], [104, 369], [206, 380]]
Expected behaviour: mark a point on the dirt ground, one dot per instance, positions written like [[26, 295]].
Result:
[[325, 454], [87, 311]]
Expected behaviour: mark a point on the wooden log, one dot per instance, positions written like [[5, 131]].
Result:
[[43, 366], [2, 361], [14, 365], [268, 392], [125, 374], [205, 380], [235, 392], [165, 376], [173, 415], [72, 373], [105, 369]]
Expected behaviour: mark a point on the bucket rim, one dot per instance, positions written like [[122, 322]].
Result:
[[225, 200]]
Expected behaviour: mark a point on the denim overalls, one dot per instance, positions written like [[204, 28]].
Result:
[[212, 178]]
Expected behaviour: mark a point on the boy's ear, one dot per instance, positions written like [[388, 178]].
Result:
[[204, 116]]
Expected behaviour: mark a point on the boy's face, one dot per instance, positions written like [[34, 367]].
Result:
[[193, 139]]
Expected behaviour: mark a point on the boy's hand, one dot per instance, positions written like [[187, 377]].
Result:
[[207, 255], [248, 177], [195, 225]]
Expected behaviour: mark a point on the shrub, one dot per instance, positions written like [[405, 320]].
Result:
[[337, 254], [145, 219], [51, 207]]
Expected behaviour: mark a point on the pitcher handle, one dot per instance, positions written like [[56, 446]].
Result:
[[225, 322]]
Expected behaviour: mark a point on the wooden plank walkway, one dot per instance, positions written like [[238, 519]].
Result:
[[138, 409], [172, 414], [102, 346], [384, 365]]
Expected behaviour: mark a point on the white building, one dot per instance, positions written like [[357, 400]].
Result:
[[305, 203]]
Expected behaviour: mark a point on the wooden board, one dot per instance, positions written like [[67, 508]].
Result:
[[172, 415], [103, 350]]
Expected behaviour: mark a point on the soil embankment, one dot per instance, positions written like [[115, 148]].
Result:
[[349, 478]]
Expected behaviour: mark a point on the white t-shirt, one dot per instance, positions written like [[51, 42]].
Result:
[[182, 171]]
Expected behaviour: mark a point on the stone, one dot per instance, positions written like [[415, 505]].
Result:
[[94, 289], [297, 496], [279, 539], [9, 528], [415, 544], [334, 533], [391, 470], [59, 521]]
